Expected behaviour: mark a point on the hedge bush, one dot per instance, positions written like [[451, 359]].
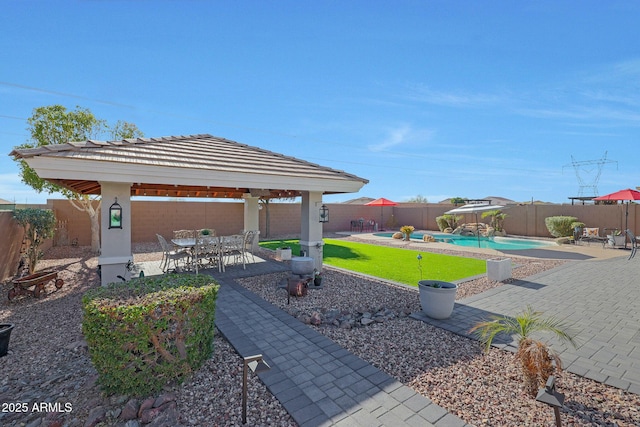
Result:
[[150, 331], [560, 226]]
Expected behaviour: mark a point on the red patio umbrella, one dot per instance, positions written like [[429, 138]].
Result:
[[622, 195], [382, 202]]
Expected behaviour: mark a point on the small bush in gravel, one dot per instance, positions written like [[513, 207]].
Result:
[[150, 331], [536, 358], [39, 225]]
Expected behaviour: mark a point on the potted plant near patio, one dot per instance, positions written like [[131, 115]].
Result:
[[437, 297], [317, 278], [283, 253], [616, 238], [5, 334]]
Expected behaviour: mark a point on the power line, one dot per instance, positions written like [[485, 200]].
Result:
[[587, 167]]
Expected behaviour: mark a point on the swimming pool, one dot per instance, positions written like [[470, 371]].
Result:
[[499, 243]]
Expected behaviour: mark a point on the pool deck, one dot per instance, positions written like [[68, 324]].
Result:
[[583, 251]]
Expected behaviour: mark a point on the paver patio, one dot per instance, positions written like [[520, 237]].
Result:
[[599, 299]]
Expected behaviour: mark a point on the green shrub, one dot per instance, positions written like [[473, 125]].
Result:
[[150, 331], [560, 226], [39, 225]]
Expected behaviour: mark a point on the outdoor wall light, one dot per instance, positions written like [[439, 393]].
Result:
[[257, 365], [115, 215], [551, 397], [324, 213]]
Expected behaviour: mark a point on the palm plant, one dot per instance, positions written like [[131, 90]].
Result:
[[497, 218], [535, 357]]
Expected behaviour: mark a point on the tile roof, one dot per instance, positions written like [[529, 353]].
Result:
[[204, 155]]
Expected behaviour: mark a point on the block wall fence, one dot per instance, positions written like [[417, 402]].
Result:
[[162, 217]]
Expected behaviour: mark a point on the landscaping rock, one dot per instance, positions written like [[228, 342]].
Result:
[[130, 410], [146, 404], [96, 416]]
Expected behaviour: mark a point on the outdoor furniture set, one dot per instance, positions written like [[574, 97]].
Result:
[[364, 225], [614, 238], [192, 250]]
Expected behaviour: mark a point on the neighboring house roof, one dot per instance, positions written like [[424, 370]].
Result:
[[184, 166], [495, 200], [359, 201], [5, 202]]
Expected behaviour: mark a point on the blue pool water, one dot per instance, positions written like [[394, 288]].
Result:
[[499, 243]]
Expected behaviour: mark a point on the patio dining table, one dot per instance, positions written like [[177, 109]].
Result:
[[221, 245]]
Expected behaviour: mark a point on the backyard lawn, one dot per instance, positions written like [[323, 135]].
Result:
[[396, 264]]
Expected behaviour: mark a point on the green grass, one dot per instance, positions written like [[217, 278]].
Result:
[[399, 265]]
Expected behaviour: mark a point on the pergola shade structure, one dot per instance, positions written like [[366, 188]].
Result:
[[184, 166], [200, 166]]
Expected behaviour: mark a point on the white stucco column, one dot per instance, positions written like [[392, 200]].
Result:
[[311, 228], [251, 215], [115, 243]]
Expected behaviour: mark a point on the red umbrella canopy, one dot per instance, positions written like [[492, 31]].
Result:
[[381, 202], [627, 194]]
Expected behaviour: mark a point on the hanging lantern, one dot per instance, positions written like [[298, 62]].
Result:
[[115, 215], [324, 213]]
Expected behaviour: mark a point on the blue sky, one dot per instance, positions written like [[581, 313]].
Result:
[[434, 98]]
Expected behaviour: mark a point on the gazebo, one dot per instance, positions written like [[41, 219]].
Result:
[[200, 166]]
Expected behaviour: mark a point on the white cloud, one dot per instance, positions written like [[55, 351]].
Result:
[[423, 93], [401, 135]]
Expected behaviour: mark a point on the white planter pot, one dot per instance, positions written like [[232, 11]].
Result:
[[283, 254], [437, 303], [616, 240], [499, 270]]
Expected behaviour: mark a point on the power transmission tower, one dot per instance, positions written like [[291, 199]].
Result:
[[586, 168]]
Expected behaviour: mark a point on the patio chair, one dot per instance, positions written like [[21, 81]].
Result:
[[169, 255], [210, 252], [634, 242], [233, 249], [250, 238], [592, 234]]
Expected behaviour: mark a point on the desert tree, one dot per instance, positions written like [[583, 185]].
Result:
[[54, 124]]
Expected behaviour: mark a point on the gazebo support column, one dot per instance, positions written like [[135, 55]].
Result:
[[311, 228], [251, 215], [115, 243]]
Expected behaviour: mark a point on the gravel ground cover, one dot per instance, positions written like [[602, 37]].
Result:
[[48, 360]]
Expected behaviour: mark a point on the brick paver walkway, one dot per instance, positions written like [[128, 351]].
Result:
[[318, 382], [598, 299]]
